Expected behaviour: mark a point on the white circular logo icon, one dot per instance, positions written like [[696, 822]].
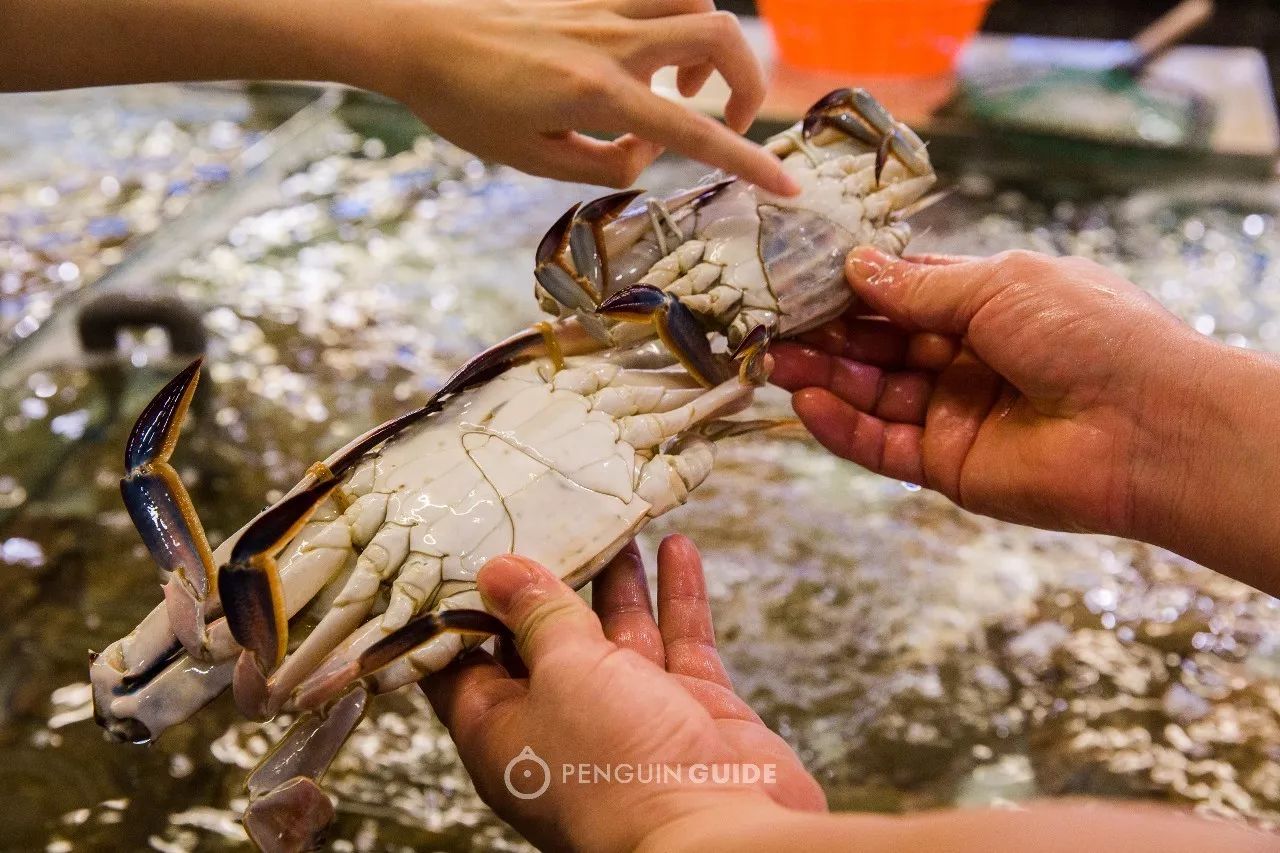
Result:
[[524, 770]]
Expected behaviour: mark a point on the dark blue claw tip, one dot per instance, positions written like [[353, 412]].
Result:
[[816, 118], [758, 337], [687, 340], [842, 98], [250, 607], [813, 124], [609, 206], [554, 239], [637, 301], [273, 526], [156, 425], [882, 157]]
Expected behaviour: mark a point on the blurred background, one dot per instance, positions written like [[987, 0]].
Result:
[[1243, 22], [334, 261]]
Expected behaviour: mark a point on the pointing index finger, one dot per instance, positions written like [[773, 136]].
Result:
[[696, 136]]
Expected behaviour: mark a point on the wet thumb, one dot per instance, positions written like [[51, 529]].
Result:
[[541, 611], [922, 297]]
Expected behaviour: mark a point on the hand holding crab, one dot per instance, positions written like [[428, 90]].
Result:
[[617, 686], [626, 689], [1051, 392]]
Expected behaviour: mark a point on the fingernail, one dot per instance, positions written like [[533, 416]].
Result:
[[865, 264], [502, 580]]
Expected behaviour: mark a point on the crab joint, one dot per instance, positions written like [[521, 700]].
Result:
[[552, 344]]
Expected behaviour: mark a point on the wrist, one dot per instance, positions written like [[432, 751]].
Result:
[[337, 41], [1207, 464], [709, 822], [384, 47]]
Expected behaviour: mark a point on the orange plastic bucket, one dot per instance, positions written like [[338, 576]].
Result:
[[904, 38]]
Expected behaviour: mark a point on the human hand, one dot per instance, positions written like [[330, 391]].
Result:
[[522, 82], [609, 688], [1046, 391]]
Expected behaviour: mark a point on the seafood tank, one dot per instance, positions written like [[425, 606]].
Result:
[[338, 267]]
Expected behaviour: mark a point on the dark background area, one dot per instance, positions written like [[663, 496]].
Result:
[[1255, 23]]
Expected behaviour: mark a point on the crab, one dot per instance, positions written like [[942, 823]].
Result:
[[559, 443]]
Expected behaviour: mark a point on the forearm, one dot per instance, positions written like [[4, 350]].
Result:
[[1209, 487], [55, 44], [1043, 827]]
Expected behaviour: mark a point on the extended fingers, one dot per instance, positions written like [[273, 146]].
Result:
[[869, 340], [891, 449], [900, 397], [620, 597], [875, 340], [684, 614], [696, 136], [714, 39]]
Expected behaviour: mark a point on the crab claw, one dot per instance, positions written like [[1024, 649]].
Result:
[[677, 326], [571, 262], [753, 369], [249, 586], [163, 513], [855, 113]]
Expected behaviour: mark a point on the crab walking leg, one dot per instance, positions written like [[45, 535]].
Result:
[[597, 249], [676, 325], [533, 481], [428, 643], [381, 558], [287, 810], [142, 711], [855, 113], [250, 589], [162, 510]]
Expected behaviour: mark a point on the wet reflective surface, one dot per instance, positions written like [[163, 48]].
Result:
[[85, 175], [916, 655]]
